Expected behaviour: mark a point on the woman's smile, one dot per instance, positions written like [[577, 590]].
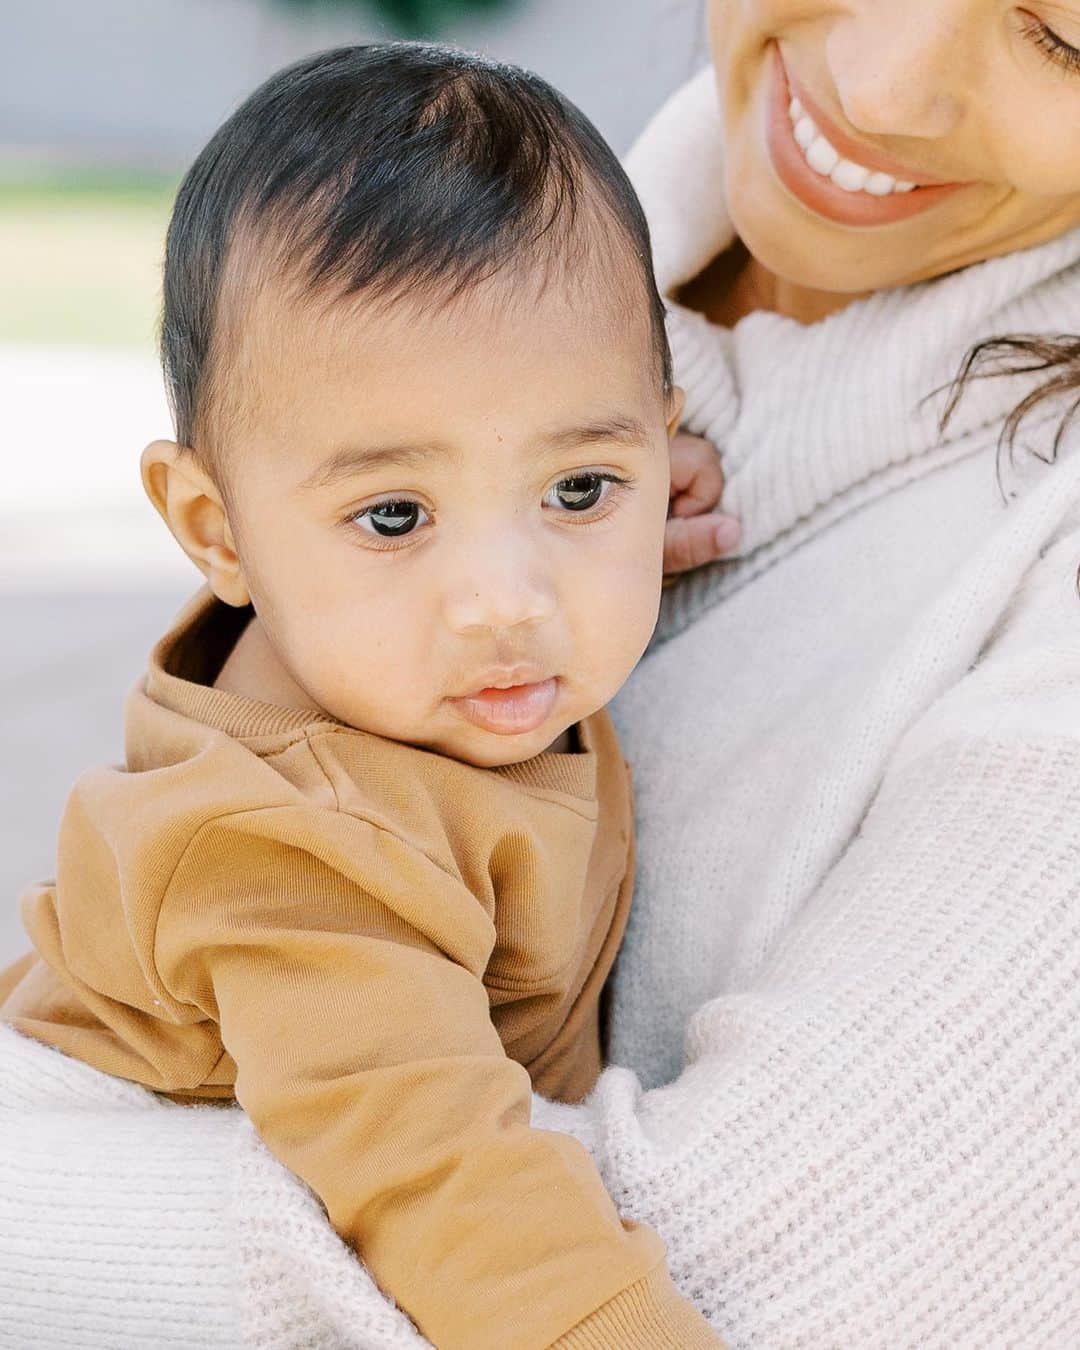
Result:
[[955, 123], [828, 172]]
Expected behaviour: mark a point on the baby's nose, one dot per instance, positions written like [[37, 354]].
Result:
[[499, 590]]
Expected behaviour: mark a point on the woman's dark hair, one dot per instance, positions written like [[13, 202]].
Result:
[[393, 169], [1056, 356]]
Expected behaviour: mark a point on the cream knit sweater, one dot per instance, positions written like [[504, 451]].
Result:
[[854, 951]]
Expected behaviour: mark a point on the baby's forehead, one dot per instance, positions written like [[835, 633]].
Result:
[[397, 402], [569, 320]]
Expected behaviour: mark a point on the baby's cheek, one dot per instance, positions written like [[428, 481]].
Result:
[[629, 618]]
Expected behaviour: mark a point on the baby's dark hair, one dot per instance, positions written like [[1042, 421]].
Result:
[[393, 170]]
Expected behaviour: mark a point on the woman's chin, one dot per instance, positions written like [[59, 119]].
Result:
[[808, 253]]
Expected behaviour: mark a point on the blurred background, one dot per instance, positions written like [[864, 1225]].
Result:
[[103, 103]]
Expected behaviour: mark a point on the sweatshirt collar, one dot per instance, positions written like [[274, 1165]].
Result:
[[185, 661]]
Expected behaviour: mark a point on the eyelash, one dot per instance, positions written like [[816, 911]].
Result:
[[386, 544], [604, 506], [1053, 48], [383, 543]]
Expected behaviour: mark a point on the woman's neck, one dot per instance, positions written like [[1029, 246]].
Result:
[[735, 284]]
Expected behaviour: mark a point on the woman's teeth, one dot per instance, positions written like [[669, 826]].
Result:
[[846, 174]]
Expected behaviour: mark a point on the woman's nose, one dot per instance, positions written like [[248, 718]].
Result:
[[498, 588], [897, 66]]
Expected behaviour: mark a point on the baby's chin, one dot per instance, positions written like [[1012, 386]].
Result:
[[475, 738], [485, 750], [470, 744]]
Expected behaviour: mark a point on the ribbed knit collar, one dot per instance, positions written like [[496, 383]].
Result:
[[185, 661], [805, 413]]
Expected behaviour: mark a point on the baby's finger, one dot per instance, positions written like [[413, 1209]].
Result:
[[693, 541], [697, 480]]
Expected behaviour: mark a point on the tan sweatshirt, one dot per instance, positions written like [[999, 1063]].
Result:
[[374, 949]]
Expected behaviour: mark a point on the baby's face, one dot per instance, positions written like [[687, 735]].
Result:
[[451, 522]]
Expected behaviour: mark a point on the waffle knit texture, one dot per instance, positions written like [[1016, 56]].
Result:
[[847, 1010]]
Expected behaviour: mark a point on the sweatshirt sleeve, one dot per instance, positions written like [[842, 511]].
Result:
[[344, 969]]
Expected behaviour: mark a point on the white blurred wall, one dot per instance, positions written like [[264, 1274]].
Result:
[[146, 81]]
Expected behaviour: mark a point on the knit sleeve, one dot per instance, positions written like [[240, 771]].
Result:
[[344, 970], [875, 1142]]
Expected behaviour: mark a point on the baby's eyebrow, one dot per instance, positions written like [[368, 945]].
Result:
[[359, 459], [621, 428], [354, 459]]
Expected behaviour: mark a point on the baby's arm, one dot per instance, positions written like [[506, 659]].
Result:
[[345, 969]]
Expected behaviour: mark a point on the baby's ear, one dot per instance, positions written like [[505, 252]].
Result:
[[188, 501], [676, 402]]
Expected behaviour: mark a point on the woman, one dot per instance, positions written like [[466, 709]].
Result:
[[853, 954]]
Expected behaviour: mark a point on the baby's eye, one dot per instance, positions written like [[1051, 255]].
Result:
[[391, 519], [581, 492]]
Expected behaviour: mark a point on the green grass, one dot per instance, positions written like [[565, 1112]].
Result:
[[80, 258]]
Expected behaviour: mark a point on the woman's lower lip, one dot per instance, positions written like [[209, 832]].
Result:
[[820, 194], [509, 712]]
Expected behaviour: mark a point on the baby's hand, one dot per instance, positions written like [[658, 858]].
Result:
[[696, 534]]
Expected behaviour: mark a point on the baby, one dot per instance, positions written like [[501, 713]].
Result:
[[367, 864]]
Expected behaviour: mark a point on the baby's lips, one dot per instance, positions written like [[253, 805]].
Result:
[[515, 711]]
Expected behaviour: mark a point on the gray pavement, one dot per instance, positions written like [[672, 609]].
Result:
[[68, 659]]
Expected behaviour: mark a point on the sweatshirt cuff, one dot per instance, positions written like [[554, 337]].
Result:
[[650, 1314]]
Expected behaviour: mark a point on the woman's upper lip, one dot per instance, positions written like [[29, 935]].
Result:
[[852, 149]]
